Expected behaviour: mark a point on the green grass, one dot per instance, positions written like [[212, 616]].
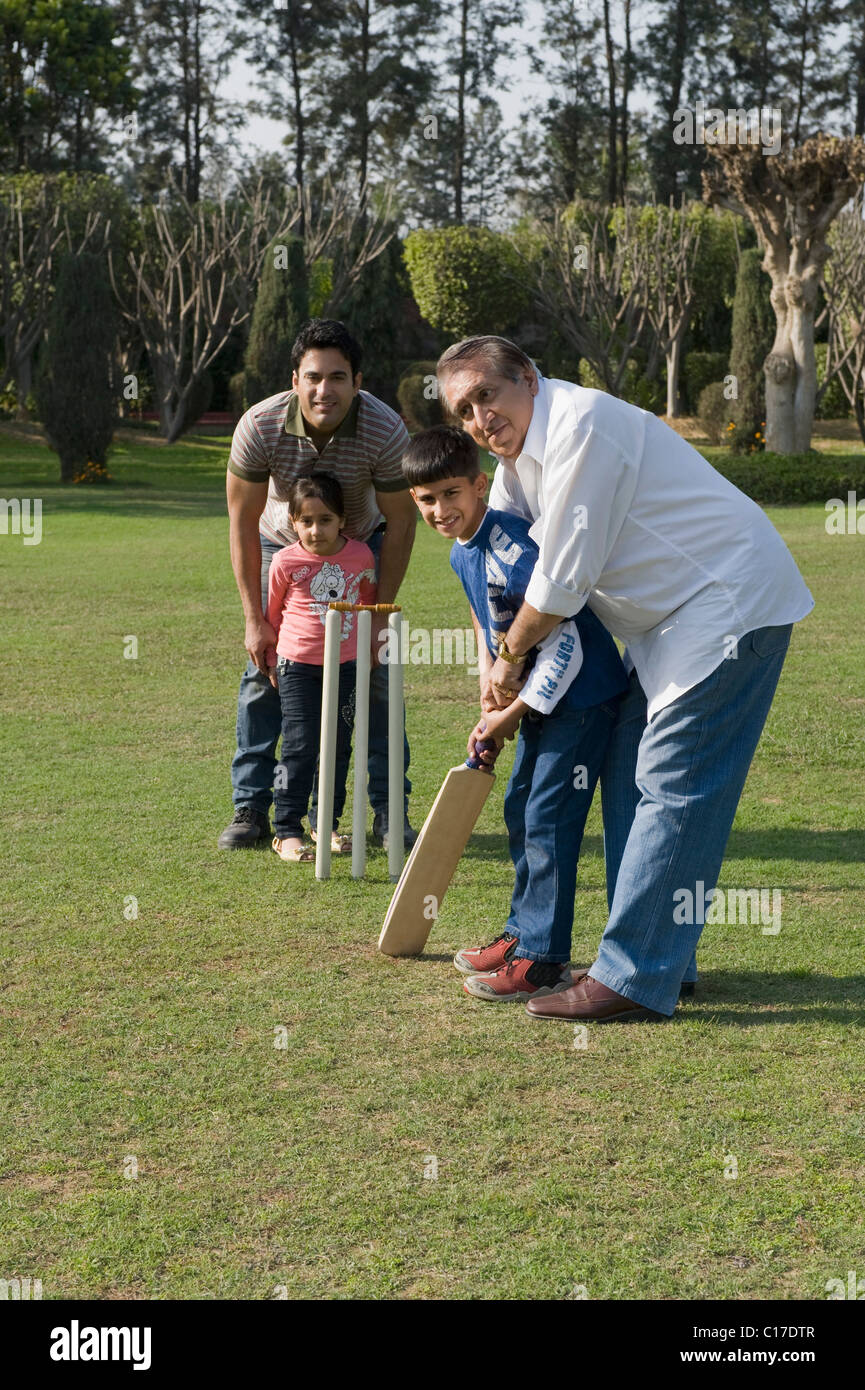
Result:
[[303, 1166]]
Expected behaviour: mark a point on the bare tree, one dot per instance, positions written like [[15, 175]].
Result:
[[188, 288], [34, 231], [679, 258], [792, 199], [582, 280], [194, 281], [844, 288]]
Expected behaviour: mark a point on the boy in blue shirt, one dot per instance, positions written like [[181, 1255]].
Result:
[[565, 712]]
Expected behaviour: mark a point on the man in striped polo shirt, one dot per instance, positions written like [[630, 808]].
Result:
[[325, 423]]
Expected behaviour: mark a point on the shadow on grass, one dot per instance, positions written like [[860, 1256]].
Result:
[[811, 846], [805, 994], [802, 845], [127, 502]]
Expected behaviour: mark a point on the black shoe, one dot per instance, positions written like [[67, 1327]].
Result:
[[688, 989], [379, 832], [249, 827]]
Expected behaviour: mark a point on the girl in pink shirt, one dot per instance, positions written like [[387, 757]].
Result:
[[322, 567]]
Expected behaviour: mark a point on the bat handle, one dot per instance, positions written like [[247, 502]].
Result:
[[484, 745]]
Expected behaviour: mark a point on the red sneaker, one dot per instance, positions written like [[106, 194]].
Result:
[[520, 979], [492, 957]]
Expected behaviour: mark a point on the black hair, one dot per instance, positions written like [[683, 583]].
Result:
[[444, 451], [324, 486], [326, 333]]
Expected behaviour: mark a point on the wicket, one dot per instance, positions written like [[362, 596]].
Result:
[[327, 749]]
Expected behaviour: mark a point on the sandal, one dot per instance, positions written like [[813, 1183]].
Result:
[[304, 855], [339, 844]]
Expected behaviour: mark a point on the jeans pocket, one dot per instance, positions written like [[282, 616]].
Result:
[[767, 642]]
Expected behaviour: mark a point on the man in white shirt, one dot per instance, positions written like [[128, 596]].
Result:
[[692, 576]]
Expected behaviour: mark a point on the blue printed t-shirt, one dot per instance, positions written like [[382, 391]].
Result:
[[494, 568]]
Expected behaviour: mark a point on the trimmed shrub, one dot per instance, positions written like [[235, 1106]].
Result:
[[75, 397], [714, 412], [753, 335], [699, 370], [281, 308], [794, 478], [466, 280], [418, 396]]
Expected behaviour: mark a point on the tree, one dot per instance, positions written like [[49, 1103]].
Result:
[[671, 64], [807, 68], [39, 219], [281, 307], [753, 331], [582, 279], [676, 257], [465, 279], [844, 288], [375, 80], [572, 121], [287, 46], [75, 389], [792, 199], [181, 53], [62, 70], [853, 81], [188, 286]]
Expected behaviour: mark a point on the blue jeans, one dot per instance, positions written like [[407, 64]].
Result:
[[689, 767], [545, 814], [259, 720], [300, 688]]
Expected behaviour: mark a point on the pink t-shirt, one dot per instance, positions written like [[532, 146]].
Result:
[[301, 586]]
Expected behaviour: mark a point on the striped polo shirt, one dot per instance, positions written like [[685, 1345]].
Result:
[[364, 452]]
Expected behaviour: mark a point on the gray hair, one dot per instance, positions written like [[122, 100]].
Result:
[[499, 355]]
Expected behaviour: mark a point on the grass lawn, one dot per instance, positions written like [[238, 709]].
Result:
[[301, 1167]]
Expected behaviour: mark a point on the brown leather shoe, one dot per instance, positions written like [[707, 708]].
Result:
[[589, 1000], [687, 989]]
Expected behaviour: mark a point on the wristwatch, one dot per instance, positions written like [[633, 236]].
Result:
[[507, 655]]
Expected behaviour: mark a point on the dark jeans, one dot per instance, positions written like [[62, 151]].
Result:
[[300, 697], [259, 720], [546, 806]]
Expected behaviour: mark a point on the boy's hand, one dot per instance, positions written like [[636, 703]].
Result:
[[497, 726], [271, 675]]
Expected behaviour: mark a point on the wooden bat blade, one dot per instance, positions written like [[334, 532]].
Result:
[[430, 867]]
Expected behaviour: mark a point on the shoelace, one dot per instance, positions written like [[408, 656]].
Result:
[[503, 936]]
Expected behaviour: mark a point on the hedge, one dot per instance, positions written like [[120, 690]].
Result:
[[771, 478]]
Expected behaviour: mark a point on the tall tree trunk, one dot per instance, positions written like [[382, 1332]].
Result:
[[187, 102], [612, 121], [859, 61], [790, 368], [196, 108], [363, 121], [626, 92], [300, 129], [800, 89], [674, 367], [667, 187], [460, 147]]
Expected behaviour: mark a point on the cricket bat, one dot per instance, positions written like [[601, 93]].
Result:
[[431, 865]]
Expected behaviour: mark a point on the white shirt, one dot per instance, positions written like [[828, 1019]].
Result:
[[629, 518]]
